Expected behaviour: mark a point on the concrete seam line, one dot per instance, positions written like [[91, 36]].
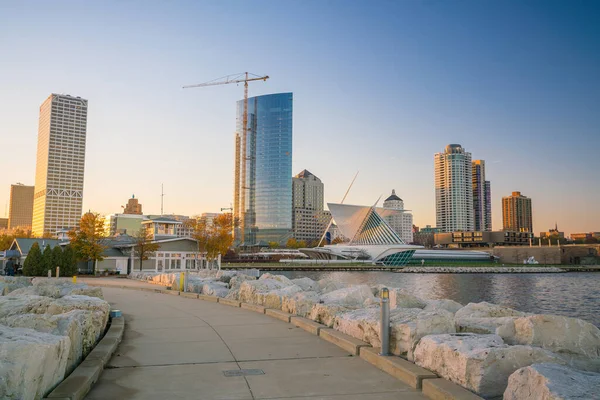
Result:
[[79, 382]]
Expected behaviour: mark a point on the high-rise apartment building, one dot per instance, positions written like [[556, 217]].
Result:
[[133, 206], [482, 203], [453, 189], [20, 211], [398, 219], [309, 220], [60, 164], [516, 213], [262, 200]]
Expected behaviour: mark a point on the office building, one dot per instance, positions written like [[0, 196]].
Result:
[[516, 213], [309, 221], [482, 203], [483, 239], [60, 164], [129, 224], [397, 218], [262, 201], [453, 189], [133, 206], [3, 223], [20, 211]]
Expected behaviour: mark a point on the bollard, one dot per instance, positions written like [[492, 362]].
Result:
[[181, 279], [385, 322], [74, 278], [57, 272], [49, 273]]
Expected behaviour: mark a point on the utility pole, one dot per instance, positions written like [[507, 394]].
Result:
[[162, 198]]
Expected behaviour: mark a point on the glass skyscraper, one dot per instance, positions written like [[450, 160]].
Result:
[[263, 170]]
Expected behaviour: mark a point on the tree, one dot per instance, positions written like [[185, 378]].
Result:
[[87, 240], [292, 243], [57, 259], [273, 245], [68, 266], [213, 238], [33, 261], [47, 262], [144, 246]]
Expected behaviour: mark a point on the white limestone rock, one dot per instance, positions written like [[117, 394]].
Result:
[[480, 363], [501, 326], [307, 284], [237, 280], [487, 310], [283, 279], [300, 303], [252, 291], [327, 285], [559, 334], [552, 382], [32, 363], [97, 308], [76, 324], [400, 298], [11, 283], [218, 289], [326, 313], [27, 304], [350, 297], [444, 304], [274, 299], [57, 288]]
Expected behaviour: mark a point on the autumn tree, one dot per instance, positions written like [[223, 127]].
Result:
[[144, 246], [33, 262], [292, 243], [87, 240], [213, 238]]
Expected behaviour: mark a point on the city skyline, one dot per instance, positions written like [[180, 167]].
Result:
[[507, 95]]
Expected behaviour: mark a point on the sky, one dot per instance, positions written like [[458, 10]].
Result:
[[379, 87]]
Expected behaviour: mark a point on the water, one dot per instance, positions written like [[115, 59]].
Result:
[[573, 294]]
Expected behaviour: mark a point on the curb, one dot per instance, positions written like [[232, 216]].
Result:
[[405, 371], [77, 385]]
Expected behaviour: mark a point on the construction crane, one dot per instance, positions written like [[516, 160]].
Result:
[[244, 77]]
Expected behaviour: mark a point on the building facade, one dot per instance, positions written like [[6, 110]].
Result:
[[453, 189], [483, 239], [398, 219], [309, 221], [129, 224], [60, 164], [20, 212], [133, 206], [262, 201], [482, 202], [517, 213]]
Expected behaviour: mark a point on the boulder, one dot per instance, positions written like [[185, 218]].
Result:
[[26, 304], [236, 281], [300, 303], [252, 291], [350, 297], [443, 304], [58, 288], [559, 334], [552, 382], [502, 326], [97, 308], [307, 284], [487, 310], [215, 288], [327, 285], [480, 363], [326, 313], [274, 298], [400, 298], [32, 362], [76, 324], [195, 284], [283, 279], [11, 283]]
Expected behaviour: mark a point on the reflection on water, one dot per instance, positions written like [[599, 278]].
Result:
[[570, 294]]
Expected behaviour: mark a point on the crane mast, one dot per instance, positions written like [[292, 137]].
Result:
[[239, 208]]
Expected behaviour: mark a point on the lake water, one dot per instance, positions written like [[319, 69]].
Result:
[[575, 294]]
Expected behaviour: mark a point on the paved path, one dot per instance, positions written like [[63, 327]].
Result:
[[179, 348]]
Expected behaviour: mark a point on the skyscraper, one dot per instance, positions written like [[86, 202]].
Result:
[[517, 213], [60, 164], [20, 212], [309, 220], [482, 203], [262, 200], [453, 189], [398, 219]]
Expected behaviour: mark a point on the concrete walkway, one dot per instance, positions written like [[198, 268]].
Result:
[[180, 348]]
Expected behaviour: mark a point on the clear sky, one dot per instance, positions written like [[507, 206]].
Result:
[[379, 86]]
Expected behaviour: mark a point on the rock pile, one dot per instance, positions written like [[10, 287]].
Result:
[[478, 346], [481, 270], [47, 326]]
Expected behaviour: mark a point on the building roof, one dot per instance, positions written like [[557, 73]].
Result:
[[393, 196], [162, 220], [305, 174], [24, 244], [363, 225]]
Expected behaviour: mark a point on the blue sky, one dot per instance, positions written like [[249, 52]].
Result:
[[378, 87]]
